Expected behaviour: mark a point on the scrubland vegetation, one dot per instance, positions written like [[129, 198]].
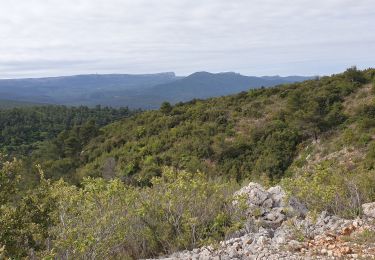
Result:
[[160, 181]]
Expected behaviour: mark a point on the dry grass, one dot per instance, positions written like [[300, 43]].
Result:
[[362, 96]]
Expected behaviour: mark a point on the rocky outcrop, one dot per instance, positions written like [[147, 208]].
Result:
[[369, 210], [328, 237], [269, 207], [278, 228]]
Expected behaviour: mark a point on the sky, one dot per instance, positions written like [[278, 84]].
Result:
[[41, 38]]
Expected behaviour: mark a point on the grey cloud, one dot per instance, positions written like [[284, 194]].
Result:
[[49, 37]]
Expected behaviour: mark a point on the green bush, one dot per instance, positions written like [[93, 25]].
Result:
[[355, 75], [333, 189], [24, 215], [109, 219], [369, 162], [105, 219]]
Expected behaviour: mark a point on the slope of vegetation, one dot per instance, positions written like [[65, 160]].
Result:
[[161, 181], [255, 134]]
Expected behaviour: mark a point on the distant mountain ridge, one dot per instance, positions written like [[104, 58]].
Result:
[[145, 91], [204, 85], [76, 89]]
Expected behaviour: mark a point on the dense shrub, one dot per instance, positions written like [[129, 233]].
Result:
[[355, 75], [24, 215], [333, 189], [109, 219]]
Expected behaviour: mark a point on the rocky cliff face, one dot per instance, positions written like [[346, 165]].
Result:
[[279, 227]]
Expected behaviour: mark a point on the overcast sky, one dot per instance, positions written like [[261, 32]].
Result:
[[253, 37]]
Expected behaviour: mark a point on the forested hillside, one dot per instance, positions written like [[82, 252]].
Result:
[[161, 181], [22, 129], [7, 104], [255, 134]]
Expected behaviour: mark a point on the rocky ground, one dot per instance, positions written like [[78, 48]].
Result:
[[279, 228]]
